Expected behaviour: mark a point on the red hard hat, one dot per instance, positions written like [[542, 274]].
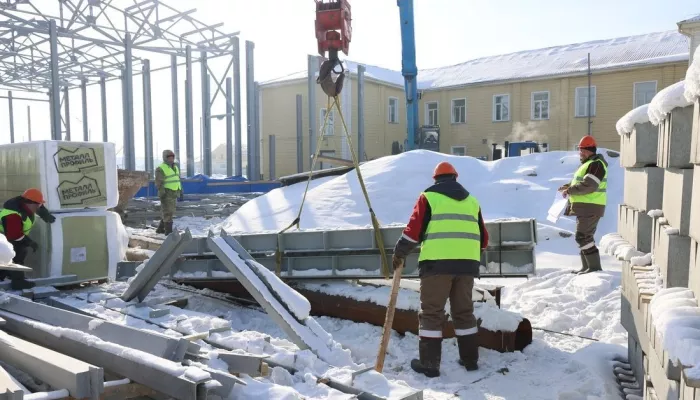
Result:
[[33, 195], [587, 141], [444, 168]]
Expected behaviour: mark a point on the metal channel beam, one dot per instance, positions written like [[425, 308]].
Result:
[[189, 112], [83, 96], [250, 109], [103, 101], [54, 280], [229, 128], [300, 137], [66, 111], [152, 375], [129, 146], [157, 266], [237, 105], [153, 343], [10, 389], [12, 117], [148, 117], [206, 116], [81, 379], [176, 107], [226, 380], [312, 66]]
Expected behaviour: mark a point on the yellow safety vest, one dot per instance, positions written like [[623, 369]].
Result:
[[599, 196], [453, 232], [172, 177], [27, 222]]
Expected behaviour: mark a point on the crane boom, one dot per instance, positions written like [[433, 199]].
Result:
[[409, 70]]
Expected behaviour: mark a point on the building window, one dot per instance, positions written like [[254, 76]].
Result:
[[431, 113], [582, 101], [459, 150], [501, 107], [326, 164], [459, 111], [331, 122], [540, 105], [393, 110], [644, 92]]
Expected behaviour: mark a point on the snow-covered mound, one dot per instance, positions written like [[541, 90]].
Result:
[[638, 115], [666, 100], [7, 253], [516, 187], [692, 78]]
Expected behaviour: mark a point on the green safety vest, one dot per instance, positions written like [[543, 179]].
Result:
[[172, 177], [27, 222], [599, 196], [453, 232]]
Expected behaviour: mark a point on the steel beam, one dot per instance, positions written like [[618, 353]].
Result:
[[300, 136], [12, 117], [54, 88], [237, 106], [148, 118], [66, 111], [81, 379], [206, 117], [103, 101], [229, 128], [54, 280], [154, 375], [249, 364], [29, 123], [257, 135], [312, 65], [83, 95], [360, 113], [250, 109], [176, 107], [10, 388], [189, 112], [129, 146], [271, 158]]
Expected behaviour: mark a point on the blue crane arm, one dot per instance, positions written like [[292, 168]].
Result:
[[409, 70]]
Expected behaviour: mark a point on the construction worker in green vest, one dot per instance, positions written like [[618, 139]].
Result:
[[587, 193], [447, 223], [169, 189]]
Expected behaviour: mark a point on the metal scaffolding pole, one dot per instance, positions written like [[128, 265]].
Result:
[[256, 132], [148, 117], [229, 129], [189, 112], [250, 108], [12, 117], [361, 113], [129, 148], [29, 124], [176, 107], [54, 89], [83, 93], [237, 106], [206, 117], [271, 158], [66, 105], [103, 100], [300, 137], [312, 106]]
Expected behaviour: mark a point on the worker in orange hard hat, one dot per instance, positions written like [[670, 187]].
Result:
[[587, 193], [17, 219], [448, 224]]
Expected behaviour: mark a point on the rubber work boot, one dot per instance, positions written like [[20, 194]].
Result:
[[593, 261], [161, 227], [168, 228], [584, 265], [468, 352], [429, 351]]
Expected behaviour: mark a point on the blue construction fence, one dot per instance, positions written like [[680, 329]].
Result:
[[202, 184]]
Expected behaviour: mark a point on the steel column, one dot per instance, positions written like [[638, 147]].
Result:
[[271, 157], [12, 117], [83, 94], [176, 107], [189, 112], [129, 148], [311, 67], [66, 105], [250, 108], [29, 124], [54, 90], [229, 129], [103, 100], [300, 140], [148, 117], [256, 133], [360, 113], [206, 117], [237, 106]]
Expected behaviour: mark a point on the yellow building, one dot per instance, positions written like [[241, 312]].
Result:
[[539, 95]]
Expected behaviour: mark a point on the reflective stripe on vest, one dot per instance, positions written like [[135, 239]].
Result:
[[27, 222], [453, 232], [600, 195], [172, 177]]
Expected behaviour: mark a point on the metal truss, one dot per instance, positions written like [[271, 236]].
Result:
[[52, 46]]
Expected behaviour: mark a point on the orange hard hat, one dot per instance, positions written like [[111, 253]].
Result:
[[33, 195], [444, 168], [587, 141]]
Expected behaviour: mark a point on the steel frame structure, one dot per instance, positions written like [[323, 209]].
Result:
[[91, 42]]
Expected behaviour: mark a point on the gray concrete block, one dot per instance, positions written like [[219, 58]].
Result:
[[675, 139], [632, 320], [639, 147], [678, 190], [694, 230], [673, 257], [644, 188], [635, 227], [635, 356], [695, 140], [690, 389], [694, 268], [666, 389]]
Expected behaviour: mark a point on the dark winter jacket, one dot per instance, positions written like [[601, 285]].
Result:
[[594, 175], [13, 223], [414, 234]]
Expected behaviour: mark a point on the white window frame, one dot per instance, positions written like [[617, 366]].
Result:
[[594, 103], [396, 110], [452, 111], [634, 92], [437, 113], [452, 150], [493, 108], [532, 105], [330, 129]]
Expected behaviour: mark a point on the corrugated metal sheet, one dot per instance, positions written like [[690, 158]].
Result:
[[648, 49]]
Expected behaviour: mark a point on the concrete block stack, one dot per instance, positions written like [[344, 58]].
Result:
[[660, 218]]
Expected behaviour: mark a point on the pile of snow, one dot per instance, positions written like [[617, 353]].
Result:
[[666, 100], [692, 78], [613, 244], [394, 183], [7, 253], [676, 317], [638, 115]]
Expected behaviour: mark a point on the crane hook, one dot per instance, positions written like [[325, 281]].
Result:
[[325, 77]]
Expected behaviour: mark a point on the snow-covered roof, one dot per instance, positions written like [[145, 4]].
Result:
[[690, 20], [631, 51]]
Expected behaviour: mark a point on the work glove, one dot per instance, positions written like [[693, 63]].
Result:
[[396, 262], [30, 243], [182, 196], [45, 215], [563, 188]]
